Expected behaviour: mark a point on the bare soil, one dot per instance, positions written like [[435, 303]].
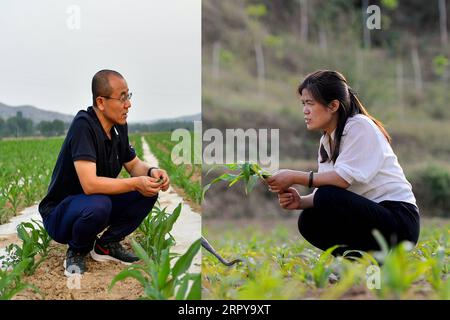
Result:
[[49, 278]]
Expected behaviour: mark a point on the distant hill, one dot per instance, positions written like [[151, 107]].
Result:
[[168, 124], [189, 118], [33, 113], [38, 115]]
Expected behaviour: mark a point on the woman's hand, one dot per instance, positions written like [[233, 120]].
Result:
[[290, 199], [281, 180]]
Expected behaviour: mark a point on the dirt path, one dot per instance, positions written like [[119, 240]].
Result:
[[187, 229], [52, 283]]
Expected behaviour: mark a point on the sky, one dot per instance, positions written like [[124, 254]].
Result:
[[50, 50]]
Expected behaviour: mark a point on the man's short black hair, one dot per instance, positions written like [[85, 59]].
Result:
[[100, 84]]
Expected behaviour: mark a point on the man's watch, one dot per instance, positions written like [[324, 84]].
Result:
[[149, 172]]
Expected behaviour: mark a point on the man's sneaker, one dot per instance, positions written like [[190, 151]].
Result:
[[75, 263], [112, 251]]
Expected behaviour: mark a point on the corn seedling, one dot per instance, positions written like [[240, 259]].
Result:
[[12, 194], [404, 273], [400, 271], [11, 282], [24, 182], [159, 280], [249, 173], [435, 256], [35, 243], [322, 268], [266, 280], [28, 191], [155, 231]]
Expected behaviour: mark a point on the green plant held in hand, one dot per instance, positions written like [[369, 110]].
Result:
[[250, 173]]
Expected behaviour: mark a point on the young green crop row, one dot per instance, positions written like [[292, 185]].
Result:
[[26, 169], [160, 278], [185, 176], [162, 273], [278, 265], [23, 259]]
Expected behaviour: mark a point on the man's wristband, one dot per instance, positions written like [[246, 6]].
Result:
[[149, 172]]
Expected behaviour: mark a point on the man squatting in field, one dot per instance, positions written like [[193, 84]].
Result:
[[85, 195]]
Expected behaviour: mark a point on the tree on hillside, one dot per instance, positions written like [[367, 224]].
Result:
[[2, 127], [51, 128], [19, 126], [443, 22], [216, 60], [256, 12], [304, 21], [415, 60]]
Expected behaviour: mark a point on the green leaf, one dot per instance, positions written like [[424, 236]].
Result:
[[251, 184], [128, 273], [224, 177], [181, 293], [140, 252], [195, 292], [238, 178], [232, 166], [211, 169], [184, 262], [327, 254], [166, 227], [205, 188], [246, 171], [151, 292], [382, 243], [164, 269]]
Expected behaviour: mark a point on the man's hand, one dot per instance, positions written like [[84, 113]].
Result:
[[147, 186], [160, 174], [290, 199]]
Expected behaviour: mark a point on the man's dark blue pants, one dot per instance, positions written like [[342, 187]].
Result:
[[78, 219]]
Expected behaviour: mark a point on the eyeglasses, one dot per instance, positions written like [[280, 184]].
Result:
[[124, 98]]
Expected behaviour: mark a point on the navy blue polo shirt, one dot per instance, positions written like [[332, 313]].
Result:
[[86, 140]]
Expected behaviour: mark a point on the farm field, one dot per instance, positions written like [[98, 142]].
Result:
[[279, 264], [185, 177], [26, 169], [32, 267]]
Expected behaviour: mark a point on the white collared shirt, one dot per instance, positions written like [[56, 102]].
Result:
[[368, 163]]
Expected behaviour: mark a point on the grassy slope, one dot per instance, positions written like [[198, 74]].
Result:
[[419, 124]]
